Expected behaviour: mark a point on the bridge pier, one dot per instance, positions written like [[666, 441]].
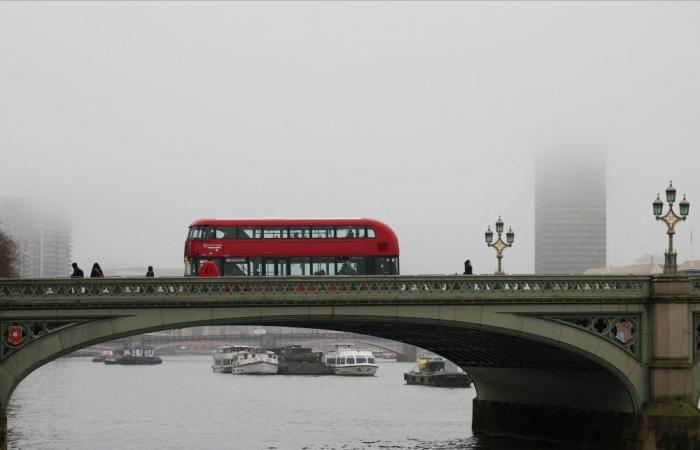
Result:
[[3, 431], [668, 426], [669, 420], [585, 428]]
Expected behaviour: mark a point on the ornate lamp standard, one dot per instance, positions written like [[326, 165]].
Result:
[[499, 245], [671, 219]]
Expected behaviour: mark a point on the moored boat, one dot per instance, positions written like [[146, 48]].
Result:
[[253, 361], [344, 360], [139, 356], [297, 360], [223, 358], [437, 372], [102, 356]]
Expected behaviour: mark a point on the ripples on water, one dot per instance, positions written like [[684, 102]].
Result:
[[73, 403]]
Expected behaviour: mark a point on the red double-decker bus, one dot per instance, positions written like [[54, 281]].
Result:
[[296, 247]]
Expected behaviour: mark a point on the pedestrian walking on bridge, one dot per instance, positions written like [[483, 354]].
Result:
[[467, 267], [77, 271]]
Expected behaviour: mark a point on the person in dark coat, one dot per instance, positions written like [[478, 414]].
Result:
[[467, 267], [77, 271], [96, 271], [149, 272]]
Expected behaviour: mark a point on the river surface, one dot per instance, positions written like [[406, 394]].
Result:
[[73, 403]]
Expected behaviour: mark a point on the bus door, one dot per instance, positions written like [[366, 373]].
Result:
[[282, 267], [269, 267], [256, 266]]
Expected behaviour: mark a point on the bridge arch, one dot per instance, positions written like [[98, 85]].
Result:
[[512, 357]]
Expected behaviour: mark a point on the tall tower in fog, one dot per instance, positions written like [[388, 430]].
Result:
[[43, 239], [570, 211]]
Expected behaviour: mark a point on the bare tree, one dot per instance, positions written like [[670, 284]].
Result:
[[8, 256]]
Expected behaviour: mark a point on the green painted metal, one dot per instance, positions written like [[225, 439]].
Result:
[[148, 292], [552, 310]]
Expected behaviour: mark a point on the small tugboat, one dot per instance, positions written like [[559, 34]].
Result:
[[139, 356], [344, 360], [297, 360], [437, 372]]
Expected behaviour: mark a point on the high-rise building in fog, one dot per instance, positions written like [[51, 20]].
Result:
[[570, 213], [43, 239]]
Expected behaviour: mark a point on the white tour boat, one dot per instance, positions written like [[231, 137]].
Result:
[[253, 361], [223, 358], [242, 359], [344, 360]]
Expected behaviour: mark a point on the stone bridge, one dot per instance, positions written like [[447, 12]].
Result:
[[591, 360]]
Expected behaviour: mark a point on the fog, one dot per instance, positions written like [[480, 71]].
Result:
[[137, 118]]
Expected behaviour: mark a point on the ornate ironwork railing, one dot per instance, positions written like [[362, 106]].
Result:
[[338, 290]]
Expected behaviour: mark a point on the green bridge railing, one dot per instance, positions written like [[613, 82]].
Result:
[[183, 291]]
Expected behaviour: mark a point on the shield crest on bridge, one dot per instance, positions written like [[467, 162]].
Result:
[[15, 334], [624, 331]]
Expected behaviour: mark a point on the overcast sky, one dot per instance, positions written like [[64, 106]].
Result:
[[137, 118]]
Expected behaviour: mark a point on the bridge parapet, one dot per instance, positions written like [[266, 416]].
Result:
[[134, 292], [695, 287]]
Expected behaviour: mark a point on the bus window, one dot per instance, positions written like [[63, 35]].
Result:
[[299, 233], [256, 266], [249, 233], [208, 233], [350, 232], [235, 267], [351, 266], [192, 266], [272, 233], [282, 267], [385, 266], [226, 232], [270, 268], [321, 232], [196, 233], [370, 232], [347, 267], [298, 267], [322, 267]]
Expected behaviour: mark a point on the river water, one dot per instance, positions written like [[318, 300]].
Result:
[[73, 403]]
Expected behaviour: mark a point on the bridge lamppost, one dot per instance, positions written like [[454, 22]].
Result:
[[670, 219], [499, 245]]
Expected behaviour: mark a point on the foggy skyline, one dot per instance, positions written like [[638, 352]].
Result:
[[138, 118]]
